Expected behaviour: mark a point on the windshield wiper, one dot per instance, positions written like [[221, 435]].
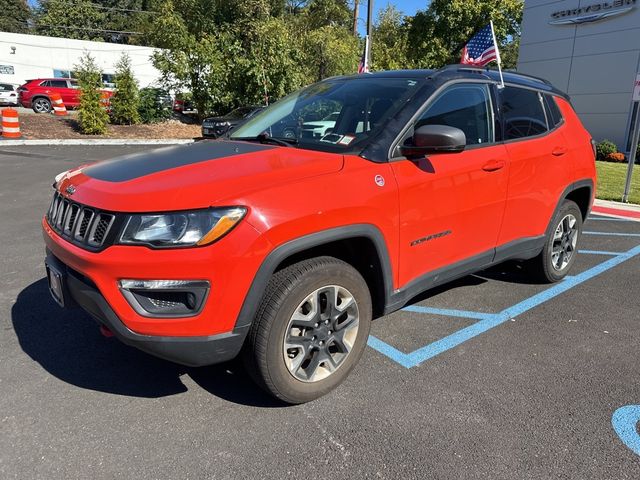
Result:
[[264, 138]]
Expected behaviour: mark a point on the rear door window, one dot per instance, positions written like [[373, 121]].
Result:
[[464, 106], [58, 83], [523, 113]]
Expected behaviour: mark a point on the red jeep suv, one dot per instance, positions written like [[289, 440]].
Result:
[[280, 243], [36, 94]]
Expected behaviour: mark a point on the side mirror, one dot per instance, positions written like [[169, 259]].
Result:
[[434, 139]]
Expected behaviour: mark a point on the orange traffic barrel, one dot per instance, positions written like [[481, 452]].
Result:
[[105, 100], [10, 123], [58, 105]]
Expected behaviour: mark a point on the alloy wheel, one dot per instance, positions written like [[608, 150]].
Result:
[[321, 333], [565, 240], [40, 105]]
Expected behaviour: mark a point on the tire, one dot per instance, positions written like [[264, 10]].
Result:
[[41, 105], [561, 246], [300, 359]]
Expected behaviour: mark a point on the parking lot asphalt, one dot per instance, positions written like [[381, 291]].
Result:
[[491, 376]]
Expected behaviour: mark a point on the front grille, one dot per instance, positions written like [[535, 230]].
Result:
[[84, 226]]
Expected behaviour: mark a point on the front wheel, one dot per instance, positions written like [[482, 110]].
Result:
[[561, 246], [310, 330]]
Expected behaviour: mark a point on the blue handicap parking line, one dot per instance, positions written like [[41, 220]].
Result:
[[624, 422], [613, 234], [600, 252], [487, 321], [448, 312]]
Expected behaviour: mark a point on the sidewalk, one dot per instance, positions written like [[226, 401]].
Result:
[[617, 209]]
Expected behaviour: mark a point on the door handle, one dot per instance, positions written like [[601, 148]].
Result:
[[559, 151], [493, 165]]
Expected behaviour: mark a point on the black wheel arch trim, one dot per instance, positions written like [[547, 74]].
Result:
[[587, 182], [298, 245]]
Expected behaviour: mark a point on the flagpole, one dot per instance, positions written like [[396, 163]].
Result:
[[495, 43]]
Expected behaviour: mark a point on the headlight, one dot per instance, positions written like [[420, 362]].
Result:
[[181, 229], [221, 124]]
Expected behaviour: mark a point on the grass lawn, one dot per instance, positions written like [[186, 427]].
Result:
[[611, 178]]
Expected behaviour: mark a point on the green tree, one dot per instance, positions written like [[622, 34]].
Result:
[[437, 34], [229, 54], [325, 13], [390, 40], [56, 18], [93, 117], [509, 53], [125, 101], [15, 15], [329, 51]]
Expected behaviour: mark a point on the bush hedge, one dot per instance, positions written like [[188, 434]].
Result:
[[604, 149]]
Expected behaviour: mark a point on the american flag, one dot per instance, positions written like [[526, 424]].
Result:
[[481, 49], [363, 65]]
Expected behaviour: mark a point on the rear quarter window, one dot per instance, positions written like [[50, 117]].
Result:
[[553, 112], [523, 113]]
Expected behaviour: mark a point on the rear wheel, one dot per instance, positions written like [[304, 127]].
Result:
[[310, 330], [41, 105], [561, 246]]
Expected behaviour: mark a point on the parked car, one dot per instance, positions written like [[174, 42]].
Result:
[[320, 128], [8, 94], [214, 127], [182, 105], [283, 249], [36, 94]]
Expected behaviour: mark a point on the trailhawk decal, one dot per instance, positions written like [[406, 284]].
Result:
[[430, 237], [129, 167]]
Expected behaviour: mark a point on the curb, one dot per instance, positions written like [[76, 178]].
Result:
[[96, 141], [617, 210]]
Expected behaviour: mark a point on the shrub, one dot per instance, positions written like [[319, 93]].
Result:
[[615, 157], [605, 148], [92, 117], [155, 105], [125, 101]]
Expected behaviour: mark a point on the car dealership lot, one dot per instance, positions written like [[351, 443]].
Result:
[[488, 377]]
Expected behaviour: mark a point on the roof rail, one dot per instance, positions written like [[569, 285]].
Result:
[[485, 70], [526, 75], [459, 67]]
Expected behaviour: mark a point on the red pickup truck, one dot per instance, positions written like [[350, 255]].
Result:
[[281, 244]]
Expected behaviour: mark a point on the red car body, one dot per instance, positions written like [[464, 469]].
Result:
[[414, 222]]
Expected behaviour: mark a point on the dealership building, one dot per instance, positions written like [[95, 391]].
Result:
[[24, 57], [591, 50]]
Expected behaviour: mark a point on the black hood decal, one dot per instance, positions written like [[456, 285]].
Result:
[[128, 167]]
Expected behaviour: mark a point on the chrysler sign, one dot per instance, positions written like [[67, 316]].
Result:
[[592, 13]]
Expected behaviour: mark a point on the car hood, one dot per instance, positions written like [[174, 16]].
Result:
[[198, 175]]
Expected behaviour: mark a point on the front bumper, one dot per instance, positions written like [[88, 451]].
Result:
[[190, 351]]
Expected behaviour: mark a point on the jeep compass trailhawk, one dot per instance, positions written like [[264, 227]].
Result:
[[280, 243]]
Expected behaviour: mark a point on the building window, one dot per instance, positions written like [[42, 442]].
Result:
[[61, 73]]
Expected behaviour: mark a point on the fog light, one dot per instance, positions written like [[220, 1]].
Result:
[[165, 298]]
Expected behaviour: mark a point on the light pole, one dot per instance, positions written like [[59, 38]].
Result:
[[369, 28]]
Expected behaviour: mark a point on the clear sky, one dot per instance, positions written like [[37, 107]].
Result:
[[407, 7]]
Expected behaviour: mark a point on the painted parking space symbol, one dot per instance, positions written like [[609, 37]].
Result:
[[486, 321], [625, 422]]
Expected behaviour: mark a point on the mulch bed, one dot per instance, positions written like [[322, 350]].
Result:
[[47, 126]]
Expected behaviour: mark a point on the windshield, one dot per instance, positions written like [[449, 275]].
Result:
[[238, 113], [333, 115]]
